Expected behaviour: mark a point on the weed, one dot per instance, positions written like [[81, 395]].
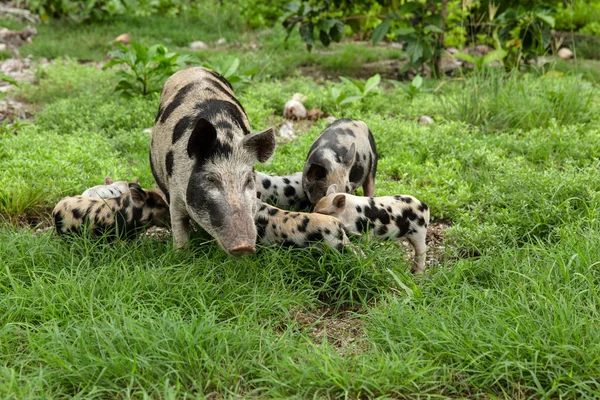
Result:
[[148, 69]]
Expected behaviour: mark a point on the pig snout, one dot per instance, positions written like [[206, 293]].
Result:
[[240, 238]]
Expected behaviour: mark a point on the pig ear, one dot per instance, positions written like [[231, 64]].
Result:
[[316, 172], [202, 139], [136, 180], [331, 189], [261, 144], [339, 202], [108, 180], [349, 157], [138, 195]]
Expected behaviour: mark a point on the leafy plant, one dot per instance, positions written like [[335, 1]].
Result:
[[342, 94], [524, 33], [313, 18], [414, 88], [230, 70], [421, 27], [486, 60], [148, 67]]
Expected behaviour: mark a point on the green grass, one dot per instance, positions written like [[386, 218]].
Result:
[[510, 311]]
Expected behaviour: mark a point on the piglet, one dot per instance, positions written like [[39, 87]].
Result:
[[109, 190], [297, 229], [121, 216], [343, 155], [282, 191], [384, 217]]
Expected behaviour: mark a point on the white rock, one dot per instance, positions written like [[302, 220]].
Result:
[[2, 47], [221, 42], [11, 65], [294, 109], [396, 45], [286, 131], [148, 131], [198, 45], [331, 119], [425, 120], [565, 53], [452, 50]]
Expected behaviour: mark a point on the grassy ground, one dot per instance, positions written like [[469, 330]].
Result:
[[508, 309]]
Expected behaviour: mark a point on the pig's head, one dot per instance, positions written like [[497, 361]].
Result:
[[221, 194], [333, 203], [318, 177], [154, 209]]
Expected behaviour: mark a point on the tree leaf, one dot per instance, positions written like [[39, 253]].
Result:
[[548, 19], [372, 83], [432, 28], [337, 31], [403, 31], [414, 50], [408, 8], [324, 38], [306, 32], [380, 31]]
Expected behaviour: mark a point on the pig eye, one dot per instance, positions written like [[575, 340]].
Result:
[[211, 178]]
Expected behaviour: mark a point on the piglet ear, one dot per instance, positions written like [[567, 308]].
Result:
[[350, 155], [108, 180], [315, 173], [331, 189], [136, 180], [339, 202], [138, 195], [261, 144]]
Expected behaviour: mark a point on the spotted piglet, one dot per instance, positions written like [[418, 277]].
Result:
[[385, 217], [344, 154], [298, 229], [109, 190], [282, 191], [121, 216]]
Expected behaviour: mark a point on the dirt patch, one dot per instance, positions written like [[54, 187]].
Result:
[[343, 330]]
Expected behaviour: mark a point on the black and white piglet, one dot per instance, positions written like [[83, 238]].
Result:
[[121, 216], [387, 217], [298, 229], [343, 155], [109, 190], [282, 191]]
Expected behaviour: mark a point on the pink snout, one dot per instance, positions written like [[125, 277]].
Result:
[[241, 250]]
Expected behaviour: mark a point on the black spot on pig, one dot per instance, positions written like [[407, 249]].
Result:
[[302, 227], [169, 163], [382, 230], [273, 211], [403, 225], [362, 225], [77, 213], [373, 213], [177, 102], [423, 206], [314, 237], [289, 191], [266, 183]]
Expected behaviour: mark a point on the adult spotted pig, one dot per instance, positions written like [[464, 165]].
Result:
[[202, 157]]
